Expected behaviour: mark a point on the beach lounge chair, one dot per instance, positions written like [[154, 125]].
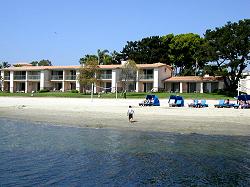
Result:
[[203, 103], [236, 105], [229, 105], [148, 103], [220, 104], [171, 102], [195, 104], [178, 103], [151, 100]]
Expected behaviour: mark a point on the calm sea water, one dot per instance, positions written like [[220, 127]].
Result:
[[45, 155]]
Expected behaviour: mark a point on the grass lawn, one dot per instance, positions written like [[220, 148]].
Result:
[[130, 95]]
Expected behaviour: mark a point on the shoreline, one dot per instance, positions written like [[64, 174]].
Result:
[[111, 114]]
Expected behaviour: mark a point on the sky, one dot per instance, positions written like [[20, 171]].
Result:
[[63, 31]]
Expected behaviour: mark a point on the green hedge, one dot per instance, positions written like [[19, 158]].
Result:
[[43, 91]]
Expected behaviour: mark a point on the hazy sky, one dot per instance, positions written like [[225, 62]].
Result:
[[63, 31]]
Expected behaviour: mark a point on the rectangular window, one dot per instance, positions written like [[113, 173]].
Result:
[[192, 87], [214, 86], [175, 87]]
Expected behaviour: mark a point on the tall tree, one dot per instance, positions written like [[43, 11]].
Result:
[[102, 57], [34, 63], [116, 57], [148, 50], [88, 73], [101, 54], [128, 73], [186, 53], [44, 63], [229, 48], [4, 65], [87, 58]]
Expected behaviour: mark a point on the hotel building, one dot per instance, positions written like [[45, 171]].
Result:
[[150, 77]]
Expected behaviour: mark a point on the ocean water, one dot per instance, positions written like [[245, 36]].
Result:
[[46, 155]]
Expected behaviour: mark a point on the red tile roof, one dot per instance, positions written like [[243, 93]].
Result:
[[152, 65], [193, 79], [113, 66], [22, 64], [155, 65], [34, 68]]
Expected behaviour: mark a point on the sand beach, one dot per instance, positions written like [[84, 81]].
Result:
[[112, 113]]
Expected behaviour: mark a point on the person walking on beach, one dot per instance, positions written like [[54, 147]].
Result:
[[130, 114], [125, 94]]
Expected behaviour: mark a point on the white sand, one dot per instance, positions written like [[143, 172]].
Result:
[[111, 113]]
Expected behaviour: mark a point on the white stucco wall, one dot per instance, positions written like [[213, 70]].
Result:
[[42, 80], [26, 82], [163, 73], [114, 80], [77, 82], [2, 74], [1, 81], [245, 85], [248, 86], [11, 81], [156, 79]]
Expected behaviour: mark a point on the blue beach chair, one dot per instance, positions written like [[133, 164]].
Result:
[[220, 104], [203, 103], [149, 98], [195, 103], [178, 103]]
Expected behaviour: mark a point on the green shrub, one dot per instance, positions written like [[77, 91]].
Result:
[[226, 92], [215, 91], [74, 91], [43, 91], [219, 91]]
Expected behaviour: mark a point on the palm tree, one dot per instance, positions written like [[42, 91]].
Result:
[[4, 65], [101, 54]]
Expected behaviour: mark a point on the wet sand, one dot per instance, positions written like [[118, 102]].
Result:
[[112, 113]]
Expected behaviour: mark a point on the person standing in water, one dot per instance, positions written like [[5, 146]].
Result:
[[130, 114]]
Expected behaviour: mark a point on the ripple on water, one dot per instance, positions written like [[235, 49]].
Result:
[[40, 154]]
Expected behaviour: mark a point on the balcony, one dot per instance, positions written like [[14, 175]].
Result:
[[57, 77], [33, 77], [148, 76], [70, 77], [106, 76], [6, 77], [19, 77]]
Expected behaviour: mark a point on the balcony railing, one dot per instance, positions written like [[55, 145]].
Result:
[[33, 77], [57, 77], [148, 76], [70, 77], [106, 76], [19, 77], [6, 77]]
